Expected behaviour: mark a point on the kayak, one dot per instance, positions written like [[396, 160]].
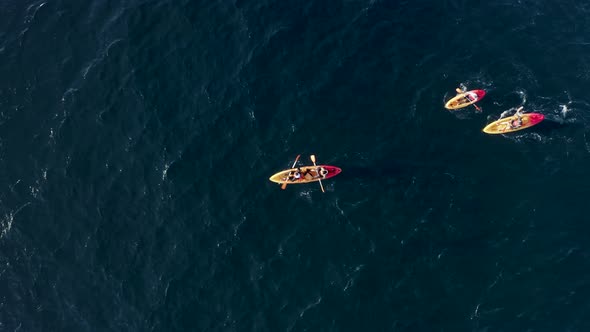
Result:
[[465, 99], [307, 174], [503, 126]]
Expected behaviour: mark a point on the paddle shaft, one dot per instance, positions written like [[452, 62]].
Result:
[[313, 161]]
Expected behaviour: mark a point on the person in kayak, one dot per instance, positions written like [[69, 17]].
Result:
[[469, 98], [516, 123], [307, 174], [296, 175], [303, 174]]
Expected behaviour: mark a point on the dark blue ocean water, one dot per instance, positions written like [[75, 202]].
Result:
[[137, 138]]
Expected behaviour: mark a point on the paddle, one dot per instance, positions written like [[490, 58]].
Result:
[[313, 161], [284, 185]]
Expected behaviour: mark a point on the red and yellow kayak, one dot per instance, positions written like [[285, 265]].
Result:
[[505, 125], [465, 99], [307, 174]]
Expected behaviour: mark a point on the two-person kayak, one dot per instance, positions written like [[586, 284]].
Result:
[[305, 174]]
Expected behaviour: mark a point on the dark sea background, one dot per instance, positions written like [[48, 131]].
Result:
[[137, 138]]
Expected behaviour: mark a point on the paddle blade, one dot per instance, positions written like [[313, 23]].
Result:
[[459, 90], [296, 160], [312, 157], [284, 186]]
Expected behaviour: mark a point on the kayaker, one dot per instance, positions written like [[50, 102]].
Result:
[[307, 174], [516, 123], [469, 98]]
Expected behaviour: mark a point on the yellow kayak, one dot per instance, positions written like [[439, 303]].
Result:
[[465, 99], [305, 174], [507, 125]]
